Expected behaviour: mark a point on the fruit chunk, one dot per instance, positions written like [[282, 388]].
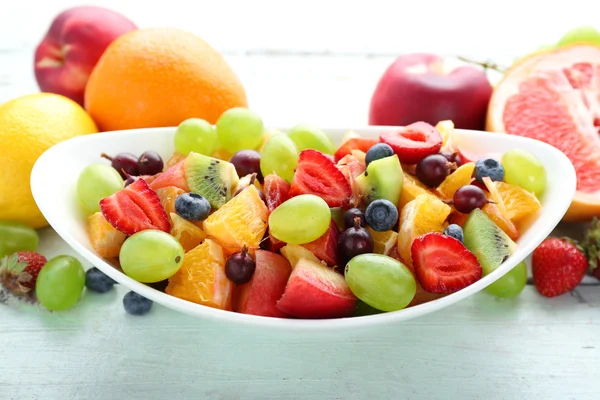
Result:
[[261, 294], [459, 178], [279, 156], [316, 291], [511, 284], [492, 211], [525, 170], [300, 220], [382, 179], [174, 176], [239, 128], [277, 190], [307, 136], [316, 174], [325, 247], [134, 209], [167, 196], [294, 252], [383, 242], [95, 182], [414, 142], [352, 167], [411, 188], [242, 221], [514, 202], [188, 234], [425, 214], [212, 179], [355, 143], [16, 236], [443, 264], [104, 238], [60, 283], [201, 279]]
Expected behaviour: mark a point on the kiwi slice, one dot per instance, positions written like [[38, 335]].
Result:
[[489, 243], [382, 179], [211, 178]]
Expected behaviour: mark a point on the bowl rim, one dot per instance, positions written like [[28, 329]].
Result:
[[197, 310]]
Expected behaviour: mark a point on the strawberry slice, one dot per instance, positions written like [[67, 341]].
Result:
[[277, 190], [316, 174], [443, 264], [134, 209], [362, 144], [413, 142]]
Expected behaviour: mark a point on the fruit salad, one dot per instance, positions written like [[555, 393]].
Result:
[[287, 225]]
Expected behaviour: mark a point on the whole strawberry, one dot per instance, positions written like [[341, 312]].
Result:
[[591, 246], [19, 271], [558, 266]]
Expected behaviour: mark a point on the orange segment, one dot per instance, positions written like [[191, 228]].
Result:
[[459, 178], [411, 188], [426, 213], [501, 221], [175, 158], [383, 241], [187, 233], [105, 239], [222, 154], [446, 130], [167, 197], [242, 221], [201, 278], [513, 201]]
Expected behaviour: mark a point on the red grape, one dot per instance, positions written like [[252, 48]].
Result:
[[468, 198], [247, 162], [240, 267], [125, 164], [354, 241], [150, 163], [433, 169]]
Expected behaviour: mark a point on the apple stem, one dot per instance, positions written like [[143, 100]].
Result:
[[485, 64]]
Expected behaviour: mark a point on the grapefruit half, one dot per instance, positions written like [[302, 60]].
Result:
[[554, 96]]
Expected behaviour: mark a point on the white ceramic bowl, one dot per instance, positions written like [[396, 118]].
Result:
[[55, 174]]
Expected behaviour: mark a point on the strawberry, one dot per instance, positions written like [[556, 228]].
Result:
[[362, 144], [558, 266], [277, 190], [135, 208], [316, 174], [591, 247], [325, 247], [443, 264], [19, 271], [414, 142]]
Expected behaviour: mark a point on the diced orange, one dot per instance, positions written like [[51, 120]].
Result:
[[458, 218], [242, 221], [105, 239], [167, 197], [426, 213], [411, 188], [294, 253], [222, 154], [384, 241], [202, 279], [175, 158], [514, 202], [501, 221], [459, 178], [446, 130], [187, 233]]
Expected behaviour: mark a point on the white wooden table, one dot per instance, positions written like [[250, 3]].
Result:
[[482, 347]]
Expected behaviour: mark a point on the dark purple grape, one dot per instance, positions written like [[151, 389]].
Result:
[[240, 267], [124, 163], [452, 157], [351, 214], [433, 169], [265, 241], [468, 198], [354, 241], [247, 162], [150, 163]]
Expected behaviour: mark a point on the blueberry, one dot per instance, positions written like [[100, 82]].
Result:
[[192, 207], [455, 231], [381, 215], [488, 167], [378, 151], [97, 281], [136, 304]]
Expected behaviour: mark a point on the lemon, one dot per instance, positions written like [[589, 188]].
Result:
[[29, 126]]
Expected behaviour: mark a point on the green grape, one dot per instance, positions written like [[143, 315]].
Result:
[[96, 182], [240, 129], [363, 309], [310, 137], [195, 135], [523, 169], [151, 256], [280, 156], [382, 282], [300, 219], [16, 236], [60, 283], [582, 34], [511, 284]]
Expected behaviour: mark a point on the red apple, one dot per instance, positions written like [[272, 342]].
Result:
[[325, 247], [260, 295], [415, 88], [316, 291], [73, 45]]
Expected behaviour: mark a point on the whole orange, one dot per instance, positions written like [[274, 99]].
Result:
[[160, 77]]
